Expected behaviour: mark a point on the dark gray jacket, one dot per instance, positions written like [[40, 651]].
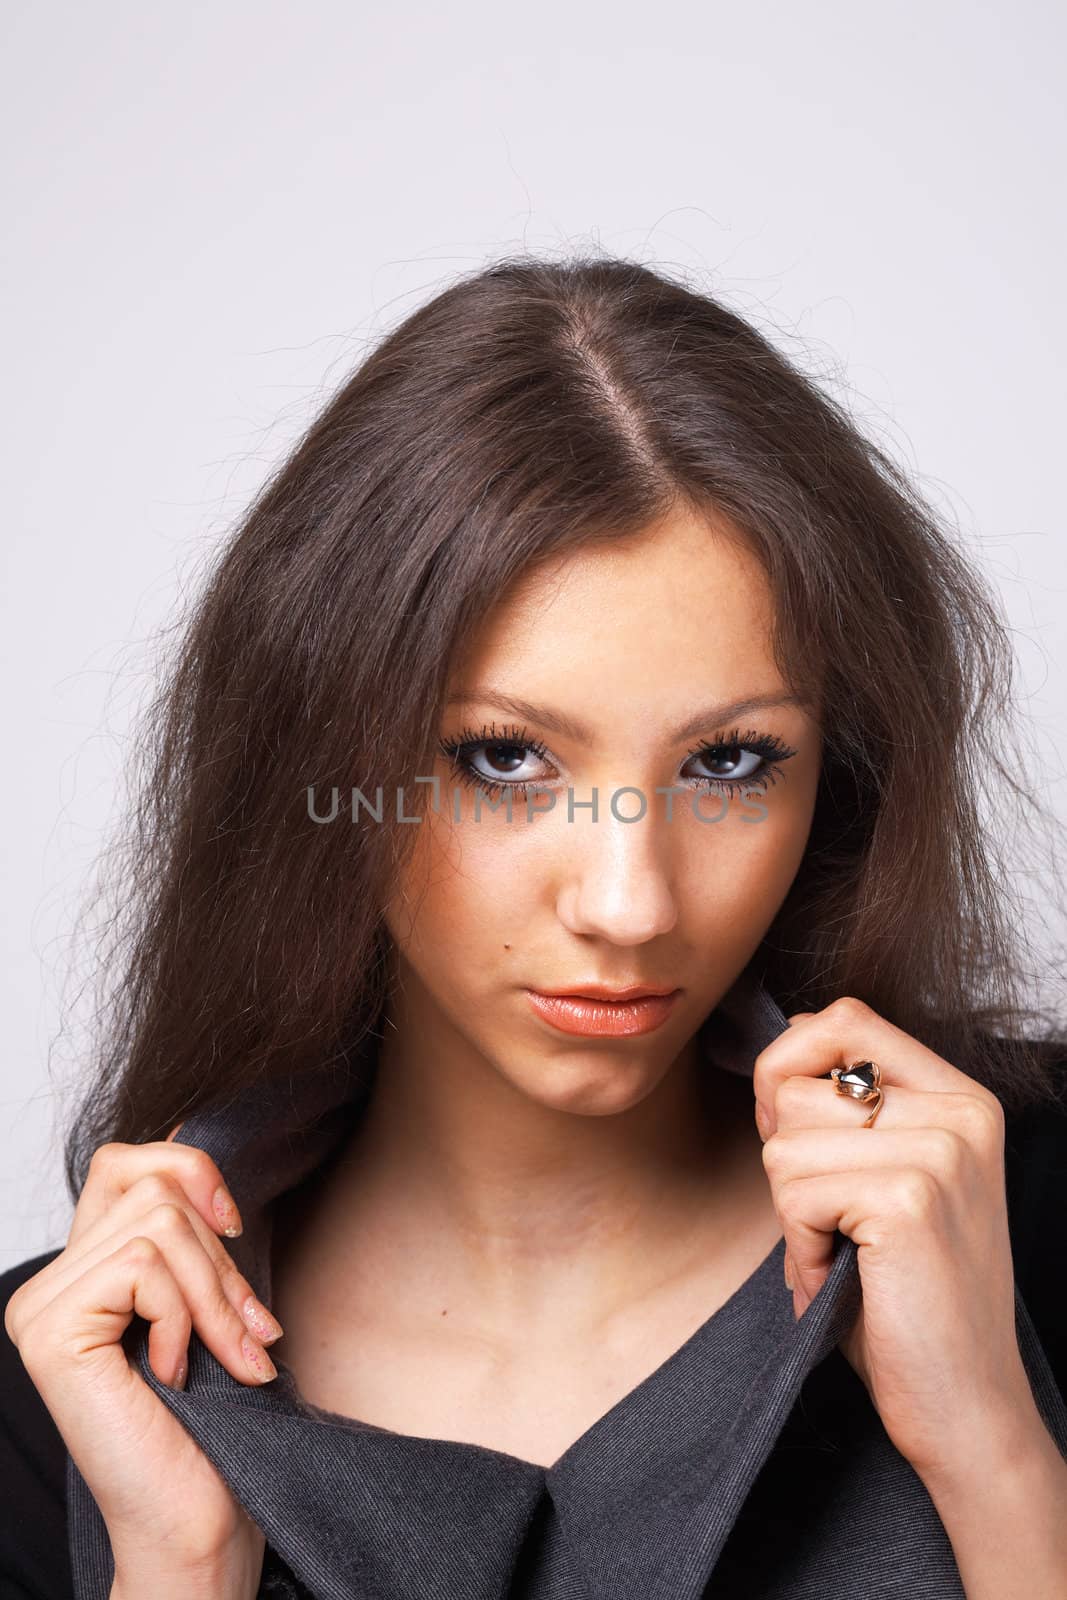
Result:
[[750, 1465]]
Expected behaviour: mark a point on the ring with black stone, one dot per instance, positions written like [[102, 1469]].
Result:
[[861, 1081]]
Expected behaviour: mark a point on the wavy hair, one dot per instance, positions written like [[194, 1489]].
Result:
[[529, 408]]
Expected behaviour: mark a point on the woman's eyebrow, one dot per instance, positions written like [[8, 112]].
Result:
[[570, 728]]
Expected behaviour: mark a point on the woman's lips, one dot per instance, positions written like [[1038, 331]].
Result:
[[574, 1013]]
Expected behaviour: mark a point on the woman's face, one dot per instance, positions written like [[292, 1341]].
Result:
[[630, 661]]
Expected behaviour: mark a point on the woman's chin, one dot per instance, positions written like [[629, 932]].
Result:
[[588, 1083]]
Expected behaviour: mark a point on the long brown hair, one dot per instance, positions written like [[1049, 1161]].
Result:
[[528, 408]]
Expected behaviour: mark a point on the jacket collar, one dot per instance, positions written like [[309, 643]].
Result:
[[639, 1507]]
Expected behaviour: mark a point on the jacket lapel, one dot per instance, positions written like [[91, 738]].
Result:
[[638, 1508]]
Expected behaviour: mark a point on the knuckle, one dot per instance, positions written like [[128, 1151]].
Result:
[[981, 1119], [791, 1095], [103, 1159], [774, 1154], [949, 1151], [169, 1220], [11, 1315], [787, 1200], [140, 1250], [914, 1193], [848, 1012], [158, 1188], [199, 1165], [38, 1344]]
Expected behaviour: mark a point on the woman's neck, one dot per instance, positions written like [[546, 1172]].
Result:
[[457, 1187]]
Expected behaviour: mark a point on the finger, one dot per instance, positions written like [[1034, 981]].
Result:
[[127, 1218], [819, 1152], [875, 1207], [803, 1102], [115, 1167], [170, 1229], [804, 1152], [83, 1325], [99, 1399], [844, 1032]]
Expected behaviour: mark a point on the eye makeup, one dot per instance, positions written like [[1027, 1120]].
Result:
[[766, 755]]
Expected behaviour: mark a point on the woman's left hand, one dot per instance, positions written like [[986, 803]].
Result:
[[922, 1194]]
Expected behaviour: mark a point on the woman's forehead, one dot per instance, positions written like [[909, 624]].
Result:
[[653, 606]]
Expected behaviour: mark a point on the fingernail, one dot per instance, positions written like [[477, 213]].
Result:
[[181, 1375], [258, 1359], [227, 1213], [265, 1327], [788, 1274]]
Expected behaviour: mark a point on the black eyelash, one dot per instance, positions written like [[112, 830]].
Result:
[[771, 749], [459, 748]]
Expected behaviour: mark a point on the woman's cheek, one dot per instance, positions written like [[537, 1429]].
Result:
[[464, 891], [745, 868]]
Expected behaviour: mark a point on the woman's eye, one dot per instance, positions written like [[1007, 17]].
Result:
[[496, 759], [729, 763]]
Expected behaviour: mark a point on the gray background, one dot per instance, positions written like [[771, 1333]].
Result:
[[210, 211]]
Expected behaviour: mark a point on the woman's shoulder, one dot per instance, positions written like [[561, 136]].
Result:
[[34, 1558], [1035, 1170]]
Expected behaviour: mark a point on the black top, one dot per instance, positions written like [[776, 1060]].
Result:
[[830, 1432]]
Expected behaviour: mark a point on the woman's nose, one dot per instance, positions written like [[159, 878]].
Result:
[[617, 881]]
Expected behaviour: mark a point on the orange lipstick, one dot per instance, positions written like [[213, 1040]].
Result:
[[591, 1014]]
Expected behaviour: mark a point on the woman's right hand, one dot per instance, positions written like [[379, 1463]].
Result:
[[145, 1240]]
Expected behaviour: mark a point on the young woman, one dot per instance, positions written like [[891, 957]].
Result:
[[566, 977]]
